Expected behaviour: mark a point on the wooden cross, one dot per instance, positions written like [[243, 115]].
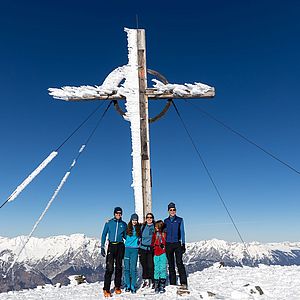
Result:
[[136, 93]]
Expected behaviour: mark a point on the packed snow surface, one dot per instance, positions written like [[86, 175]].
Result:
[[276, 282]]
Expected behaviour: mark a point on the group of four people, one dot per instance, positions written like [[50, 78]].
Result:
[[155, 243]]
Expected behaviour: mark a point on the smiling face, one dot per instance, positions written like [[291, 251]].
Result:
[[134, 222], [172, 212], [149, 219], [118, 215]]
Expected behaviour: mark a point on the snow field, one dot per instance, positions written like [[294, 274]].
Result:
[[277, 283]]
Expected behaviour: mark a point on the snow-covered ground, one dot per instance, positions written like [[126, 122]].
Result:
[[277, 282]]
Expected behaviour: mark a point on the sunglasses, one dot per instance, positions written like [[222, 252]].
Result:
[[149, 217], [172, 209], [118, 213]]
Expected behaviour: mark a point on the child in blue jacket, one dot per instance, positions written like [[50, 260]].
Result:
[[133, 234]]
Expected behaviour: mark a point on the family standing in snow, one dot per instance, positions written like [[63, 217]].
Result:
[[156, 244]]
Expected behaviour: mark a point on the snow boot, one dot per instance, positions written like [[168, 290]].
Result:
[[118, 290], [183, 286], [106, 293], [152, 284], [162, 285], [127, 289], [183, 290], [156, 286], [145, 283]]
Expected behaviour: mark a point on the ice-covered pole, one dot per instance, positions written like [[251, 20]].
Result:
[[23, 185], [137, 113], [62, 182]]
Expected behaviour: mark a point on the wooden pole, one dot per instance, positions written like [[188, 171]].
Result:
[[145, 142]]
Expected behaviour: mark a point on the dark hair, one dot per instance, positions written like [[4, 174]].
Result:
[[160, 225], [129, 229], [151, 214]]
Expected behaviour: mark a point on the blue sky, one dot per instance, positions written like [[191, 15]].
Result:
[[248, 51]]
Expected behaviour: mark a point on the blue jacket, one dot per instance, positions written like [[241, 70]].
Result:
[[115, 229], [175, 230], [132, 241], [147, 233]]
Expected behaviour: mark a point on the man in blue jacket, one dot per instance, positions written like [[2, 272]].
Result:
[[116, 230], [175, 245]]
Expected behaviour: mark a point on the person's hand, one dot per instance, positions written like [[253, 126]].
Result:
[[183, 248], [103, 252]]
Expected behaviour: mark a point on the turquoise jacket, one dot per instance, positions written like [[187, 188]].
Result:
[[116, 231], [132, 241]]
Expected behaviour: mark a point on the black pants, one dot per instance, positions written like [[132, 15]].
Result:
[[146, 259], [174, 249], [115, 255]]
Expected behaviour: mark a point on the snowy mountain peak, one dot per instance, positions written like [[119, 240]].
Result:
[[55, 259]]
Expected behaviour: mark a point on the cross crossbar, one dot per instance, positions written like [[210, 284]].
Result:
[[151, 93]]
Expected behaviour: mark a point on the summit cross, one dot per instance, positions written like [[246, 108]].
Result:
[[136, 93]]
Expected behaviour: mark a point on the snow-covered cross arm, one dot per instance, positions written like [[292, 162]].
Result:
[[110, 92], [129, 82]]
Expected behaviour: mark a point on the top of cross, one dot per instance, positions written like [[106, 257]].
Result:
[[111, 88]]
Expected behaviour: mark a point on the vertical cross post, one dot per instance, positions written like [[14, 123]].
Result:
[[144, 124]]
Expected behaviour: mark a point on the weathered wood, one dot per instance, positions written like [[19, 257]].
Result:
[[151, 93], [144, 129]]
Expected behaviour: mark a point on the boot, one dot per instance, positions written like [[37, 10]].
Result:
[[184, 286], [106, 293], [145, 283], [162, 285], [156, 286], [152, 284], [118, 290]]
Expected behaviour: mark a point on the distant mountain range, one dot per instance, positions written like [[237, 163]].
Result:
[[53, 259]]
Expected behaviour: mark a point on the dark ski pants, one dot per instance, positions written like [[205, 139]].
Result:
[[174, 249], [115, 255], [146, 259]]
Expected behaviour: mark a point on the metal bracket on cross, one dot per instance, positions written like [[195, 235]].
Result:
[[136, 93]]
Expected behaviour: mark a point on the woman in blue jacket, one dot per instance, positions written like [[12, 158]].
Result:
[[133, 234], [146, 251]]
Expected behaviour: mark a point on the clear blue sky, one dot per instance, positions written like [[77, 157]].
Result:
[[248, 51]]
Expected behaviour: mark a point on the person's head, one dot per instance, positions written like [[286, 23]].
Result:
[[149, 218], [172, 209], [159, 225], [134, 223], [118, 213], [134, 219]]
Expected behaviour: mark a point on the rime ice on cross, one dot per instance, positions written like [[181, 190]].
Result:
[[136, 93]]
